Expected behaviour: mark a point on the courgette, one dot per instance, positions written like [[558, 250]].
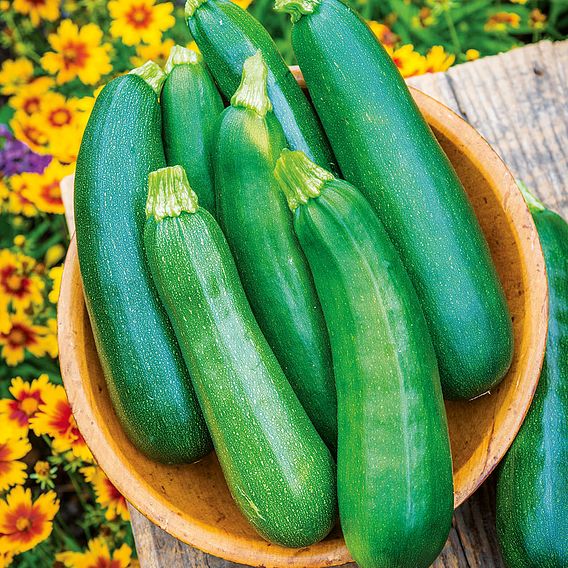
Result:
[[147, 380], [385, 148], [532, 482], [191, 106], [273, 269], [394, 468], [227, 35], [277, 468]]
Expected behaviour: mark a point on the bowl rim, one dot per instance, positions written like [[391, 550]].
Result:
[[210, 539]]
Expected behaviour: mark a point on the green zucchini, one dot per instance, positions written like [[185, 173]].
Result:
[[394, 468], [147, 380], [191, 106], [532, 482], [385, 148], [255, 218], [227, 35], [277, 468]]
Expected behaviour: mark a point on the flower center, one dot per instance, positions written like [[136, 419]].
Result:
[[31, 105], [51, 192], [60, 117], [34, 135], [29, 405], [140, 16], [23, 524], [19, 337], [74, 54], [42, 469]]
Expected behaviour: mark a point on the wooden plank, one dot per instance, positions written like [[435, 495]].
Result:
[[519, 103]]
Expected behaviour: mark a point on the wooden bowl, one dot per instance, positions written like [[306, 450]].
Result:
[[193, 503]]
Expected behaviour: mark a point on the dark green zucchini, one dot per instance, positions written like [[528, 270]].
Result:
[[274, 271], [191, 106], [394, 468], [277, 468], [147, 380], [532, 483], [227, 35], [385, 148]]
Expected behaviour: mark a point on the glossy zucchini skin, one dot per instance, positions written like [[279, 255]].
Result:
[[277, 468], [532, 483], [147, 379], [255, 218], [227, 35], [191, 106], [394, 468], [385, 148]]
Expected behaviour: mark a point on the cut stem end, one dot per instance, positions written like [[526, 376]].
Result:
[[296, 8], [181, 56], [169, 193], [152, 73], [252, 92], [191, 6]]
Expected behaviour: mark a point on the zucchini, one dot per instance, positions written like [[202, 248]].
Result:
[[191, 106], [279, 285], [532, 482], [147, 380], [277, 468], [385, 148], [394, 468], [227, 35]]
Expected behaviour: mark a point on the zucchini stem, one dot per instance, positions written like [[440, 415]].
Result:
[[252, 92], [296, 8], [179, 56], [300, 179], [152, 73], [191, 6], [169, 193], [533, 203]]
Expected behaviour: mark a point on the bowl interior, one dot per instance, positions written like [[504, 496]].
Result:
[[193, 503]]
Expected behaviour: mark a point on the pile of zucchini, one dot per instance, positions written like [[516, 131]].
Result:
[[295, 286]]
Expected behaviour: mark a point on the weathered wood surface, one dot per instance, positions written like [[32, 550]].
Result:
[[519, 103]]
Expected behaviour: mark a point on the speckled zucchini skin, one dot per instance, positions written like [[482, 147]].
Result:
[[278, 469], [385, 148], [148, 382], [394, 466], [532, 485], [274, 271], [227, 35], [191, 106]]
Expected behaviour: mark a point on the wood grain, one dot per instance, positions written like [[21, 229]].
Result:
[[519, 103]]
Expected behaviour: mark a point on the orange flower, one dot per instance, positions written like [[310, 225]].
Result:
[[501, 21], [383, 33], [438, 60], [27, 129], [97, 555], [537, 20], [20, 285], [43, 190], [107, 494], [136, 21], [55, 418], [78, 52], [12, 471], [22, 336], [23, 523], [408, 61], [38, 10], [28, 99], [15, 413]]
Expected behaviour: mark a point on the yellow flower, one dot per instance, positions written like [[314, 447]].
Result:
[[54, 254], [23, 523], [383, 33], [501, 21], [97, 554], [136, 21], [55, 274], [28, 99], [27, 130], [14, 74], [23, 335], [158, 52], [78, 52], [244, 4], [43, 190], [519, 1], [19, 240], [15, 413], [17, 204], [438, 60], [20, 285], [408, 61], [472, 54], [52, 347], [107, 494], [55, 419], [44, 474], [13, 471], [6, 557], [537, 20], [38, 10]]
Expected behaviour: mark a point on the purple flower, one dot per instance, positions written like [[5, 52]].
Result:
[[16, 157]]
